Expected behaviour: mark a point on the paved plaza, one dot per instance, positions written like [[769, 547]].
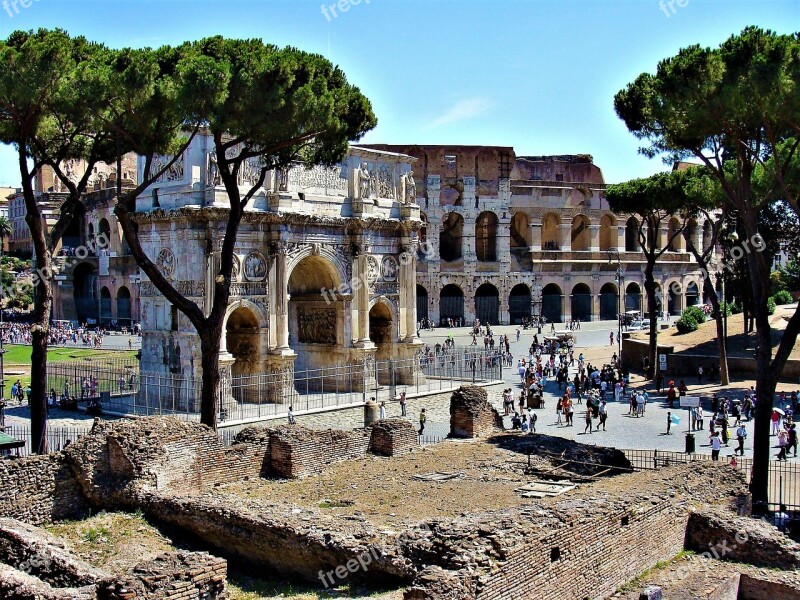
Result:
[[622, 429]]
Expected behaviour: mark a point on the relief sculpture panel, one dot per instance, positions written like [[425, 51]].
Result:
[[316, 326]]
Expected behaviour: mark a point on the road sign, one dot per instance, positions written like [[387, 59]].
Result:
[[690, 401]]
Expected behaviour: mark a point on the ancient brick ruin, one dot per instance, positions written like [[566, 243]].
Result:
[[471, 415], [176, 473]]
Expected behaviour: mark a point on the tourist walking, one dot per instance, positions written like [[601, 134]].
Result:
[[588, 420], [669, 422], [422, 418], [741, 434], [383, 410], [290, 416], [402, 404], [603, 413], [716, 445], [792, 439]]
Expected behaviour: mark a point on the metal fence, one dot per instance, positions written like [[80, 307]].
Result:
[[93, 376], [121, 389], [784, 477], [57, 438]]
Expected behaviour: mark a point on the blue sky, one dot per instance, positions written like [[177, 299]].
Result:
[[533, 74]]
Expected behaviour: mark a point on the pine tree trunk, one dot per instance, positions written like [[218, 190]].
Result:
[[38, 399], [210, 341], [42, 304]]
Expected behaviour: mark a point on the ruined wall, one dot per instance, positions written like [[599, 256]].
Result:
[[588, 545], [119, 460], [282, 539], [741, 539], [471, 415], [35, 565], [392, 437], [40, 489], [295, 451], [171, 576]]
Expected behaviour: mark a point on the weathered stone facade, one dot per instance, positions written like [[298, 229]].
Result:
[[324, 267], [511, 237]]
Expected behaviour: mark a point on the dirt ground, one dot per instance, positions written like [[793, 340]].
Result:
[[382, 489]]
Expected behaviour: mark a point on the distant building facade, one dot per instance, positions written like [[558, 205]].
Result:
[[95, 279], [515, 237]]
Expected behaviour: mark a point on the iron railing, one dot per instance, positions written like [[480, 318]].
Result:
[[57, 438], [121, 389], [784, 477]]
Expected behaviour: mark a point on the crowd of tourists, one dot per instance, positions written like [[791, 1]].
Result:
[[60, 334]]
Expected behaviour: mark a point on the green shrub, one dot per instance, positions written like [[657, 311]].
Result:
[[726, 309], [783, 297], [771, 305], [696, 313], [737, 308], [686, 324]]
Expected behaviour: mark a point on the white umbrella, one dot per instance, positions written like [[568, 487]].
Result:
[[779, 411]]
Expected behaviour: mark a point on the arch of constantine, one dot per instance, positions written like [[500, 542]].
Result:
[[324, 267]]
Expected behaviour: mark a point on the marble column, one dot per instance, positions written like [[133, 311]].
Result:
[[407, 283], [594, 239], [566, 236], [281, 301], [536, 236], [361, 273]]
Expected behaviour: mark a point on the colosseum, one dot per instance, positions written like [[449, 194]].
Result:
[[518, 236]]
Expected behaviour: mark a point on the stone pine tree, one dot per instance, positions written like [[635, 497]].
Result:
[[41, 77], [739, 102], [265, 109], [652, 202], [61, 100]]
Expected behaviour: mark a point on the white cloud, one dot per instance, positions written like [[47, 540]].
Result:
[[461, 111]]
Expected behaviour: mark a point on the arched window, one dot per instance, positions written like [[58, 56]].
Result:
[[519, 230], [451, 303], [105, 306], [124, 306], [632, 235], [609, 302], [581, 234], [674, 238], [487, 304], [486, 237], [553, 303], [451, 237], [608, 237], [422, 303], [551, 232], [581, 303]]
